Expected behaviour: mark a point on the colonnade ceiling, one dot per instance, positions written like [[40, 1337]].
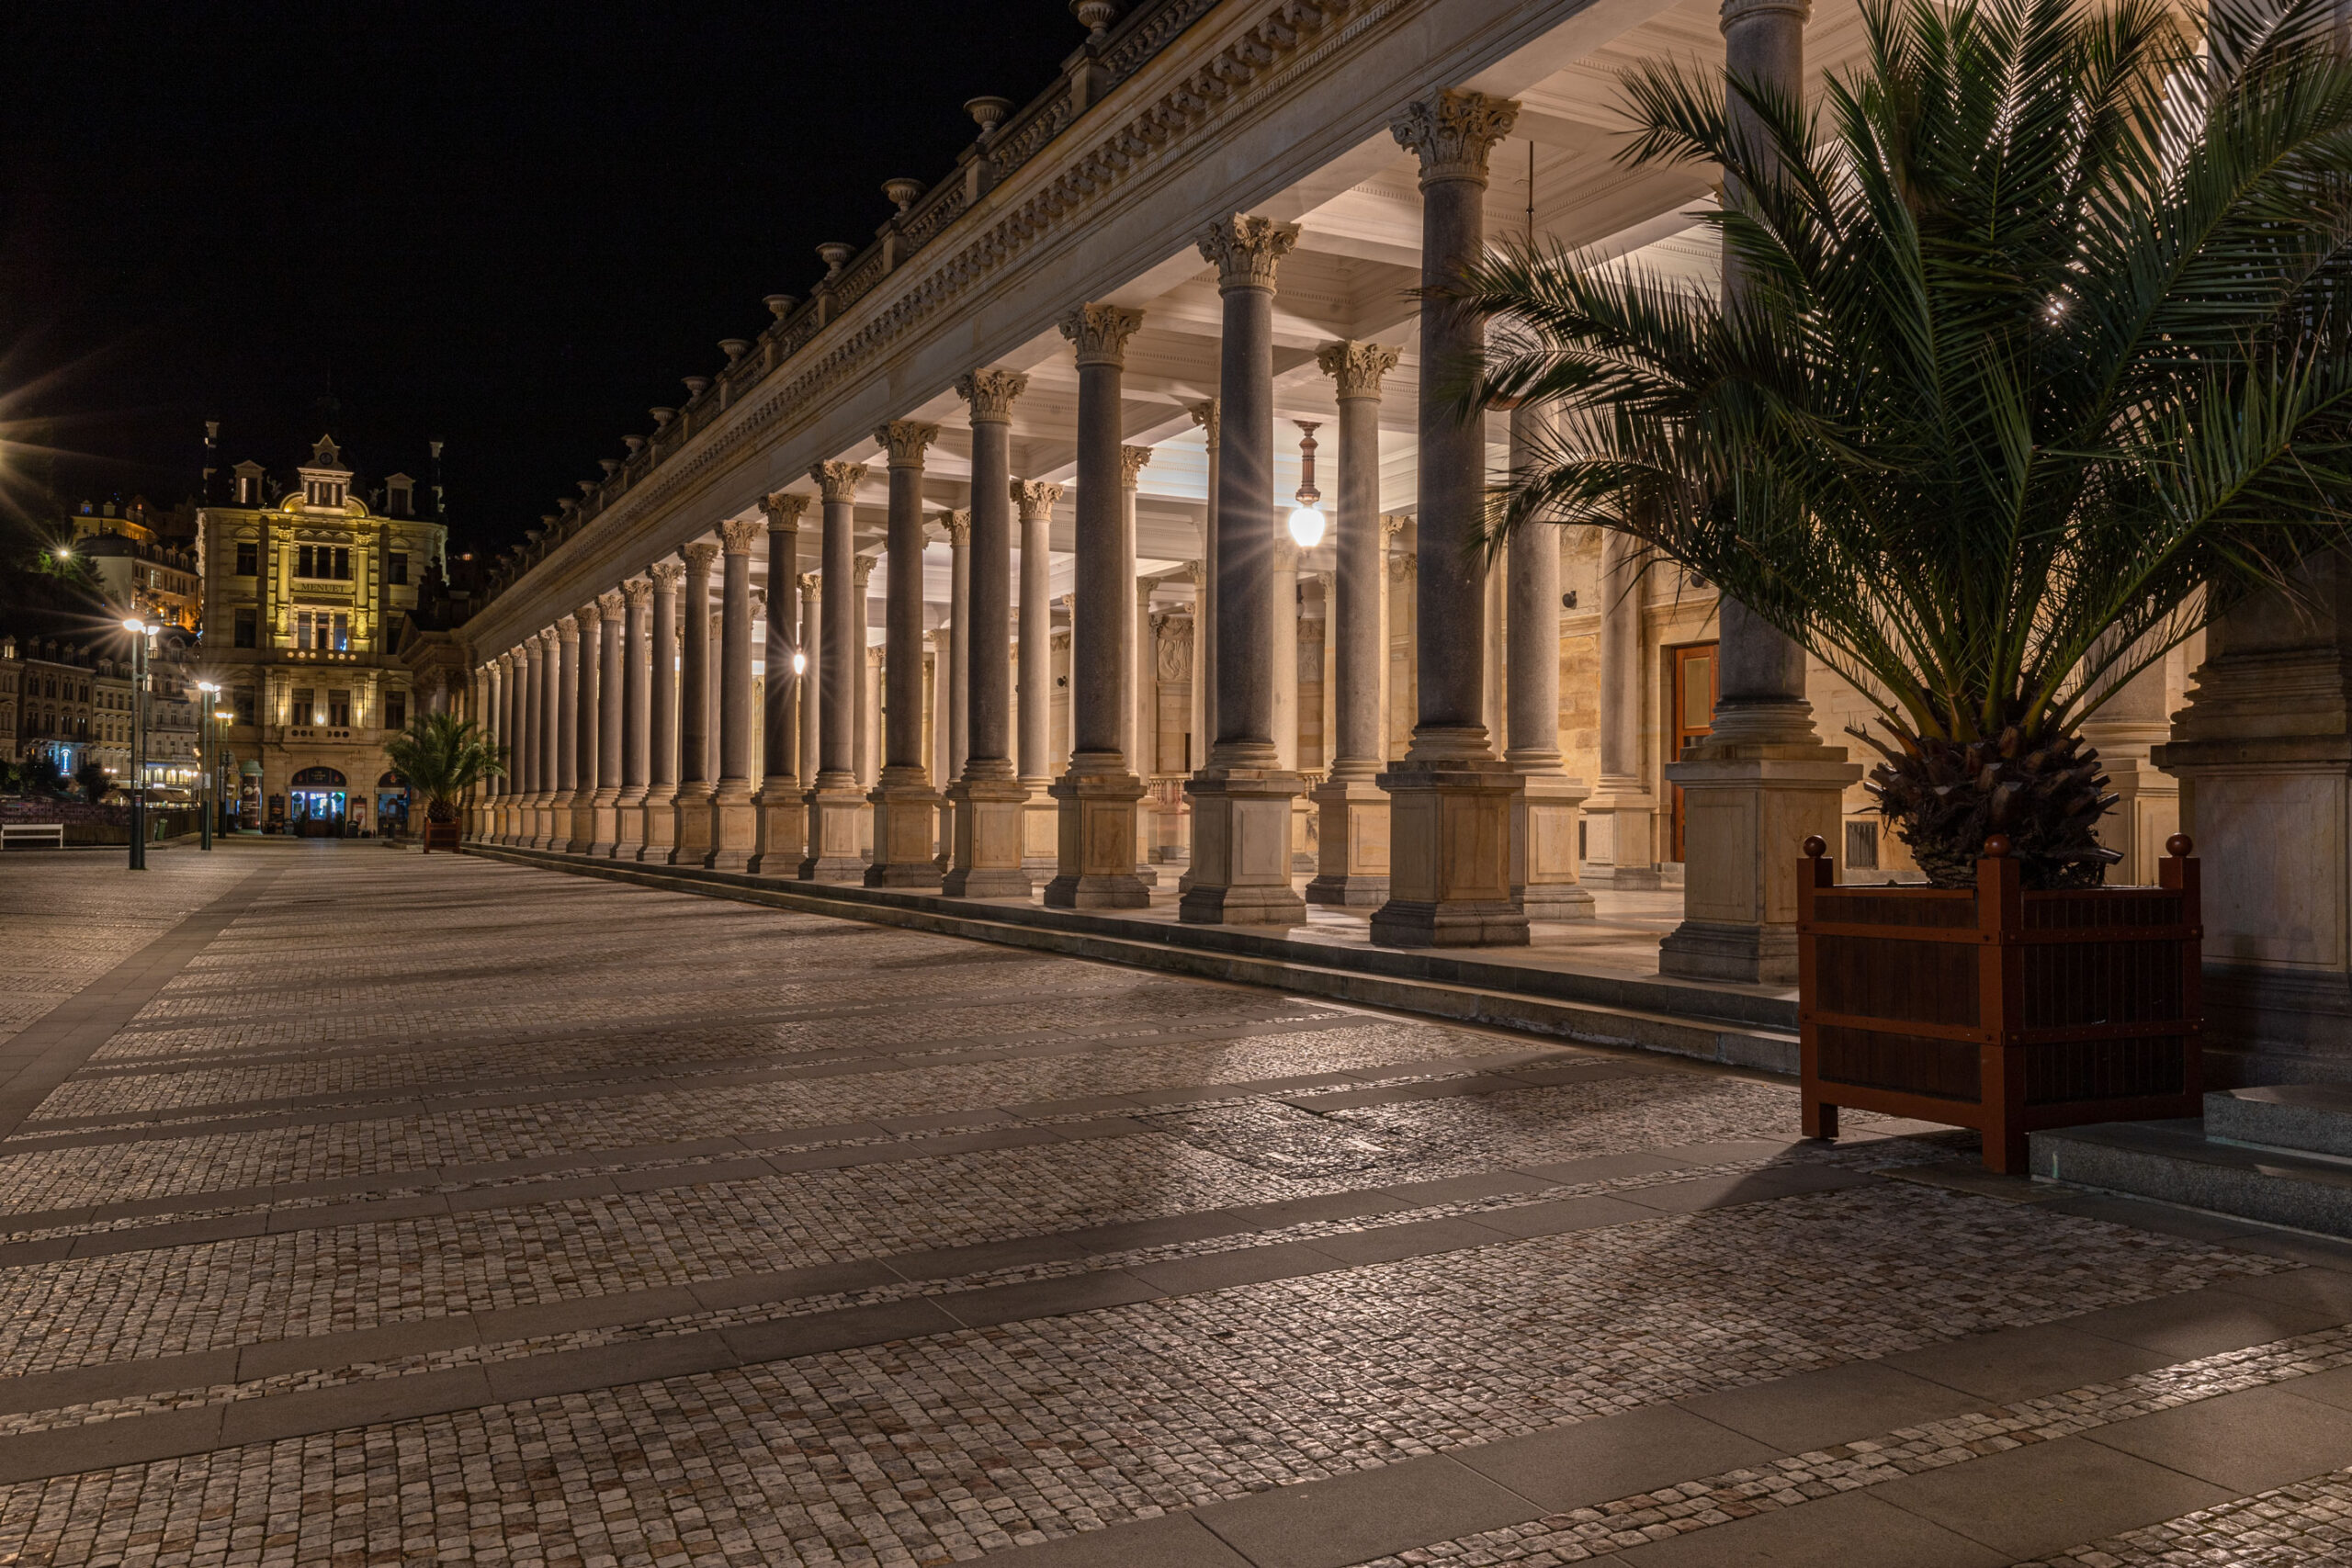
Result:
[[1351, 275]]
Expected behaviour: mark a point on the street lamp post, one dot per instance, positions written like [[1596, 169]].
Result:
[[141, 631], [207, 775]]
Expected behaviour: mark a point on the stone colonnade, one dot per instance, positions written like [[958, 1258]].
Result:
[[1459, 841]]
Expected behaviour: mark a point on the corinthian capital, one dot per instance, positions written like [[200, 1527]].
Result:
[[811, 586], [1100, 332], [1132, 461], [905, 439], [701, 555], [991, 393], [737, 534], [956, 525], [614, 604], [1205, 416], [838, 481], [862, 569], [782, 509], [1452, 130], [589, 616], [565, 631], [1357, 366], [1245, 249], [638, 592], [665, 574], [1035, 498]]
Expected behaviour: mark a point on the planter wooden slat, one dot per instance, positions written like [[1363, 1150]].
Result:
[[1996, 1009]]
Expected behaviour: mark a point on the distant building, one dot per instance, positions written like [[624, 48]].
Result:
[[308, 594], [138, 563]]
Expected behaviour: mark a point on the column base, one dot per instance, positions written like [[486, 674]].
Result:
[[582, 840], [734, 829], [1041, 832], [779, 832], [1241, 834], [905, 812], [1543, 848], [1748, 807], [990, 821], [1095, 842], [1705, 949], [661, 826], [1450, 837], [628, 824], [1306, 834], [604, 826], [690, 831], [1352, 845], [836, 830], [538, 823], [945, 859]]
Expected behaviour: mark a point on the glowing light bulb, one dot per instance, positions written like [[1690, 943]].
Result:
[[800, 663], [1306, 527]]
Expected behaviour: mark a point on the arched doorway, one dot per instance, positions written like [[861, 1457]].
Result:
[[318, 800], [391, 806]]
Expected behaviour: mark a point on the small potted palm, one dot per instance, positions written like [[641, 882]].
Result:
[[442, 756], [2041, 358]]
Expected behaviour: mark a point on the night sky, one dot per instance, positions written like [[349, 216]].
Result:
[[510, 225]]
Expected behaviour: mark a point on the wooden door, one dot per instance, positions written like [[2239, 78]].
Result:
[[1693, 712]]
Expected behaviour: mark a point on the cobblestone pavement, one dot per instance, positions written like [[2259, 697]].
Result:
[[362, 1208]]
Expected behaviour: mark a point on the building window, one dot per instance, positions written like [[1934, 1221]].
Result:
[[396, 569], [248, 491], [248, 631], [395, 710], [341, 632], [339, 709], [244, 705], [304, 712], [324, 562], [248, 560]]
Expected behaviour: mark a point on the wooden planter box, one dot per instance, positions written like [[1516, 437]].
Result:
[[441, 836], [1998, 1009]]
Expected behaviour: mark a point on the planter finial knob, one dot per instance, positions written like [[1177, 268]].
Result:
[[2180, 845], [1997, 847], [1815, 846]]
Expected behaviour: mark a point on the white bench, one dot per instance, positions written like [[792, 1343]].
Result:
[[49, 833]]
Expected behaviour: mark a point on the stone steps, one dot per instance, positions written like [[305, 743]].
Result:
[[2280, 1155], [1726, 1026]]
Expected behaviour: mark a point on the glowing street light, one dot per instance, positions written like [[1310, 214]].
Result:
[[1306, 519]]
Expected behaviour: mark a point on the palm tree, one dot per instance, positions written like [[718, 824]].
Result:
[[2042, 358], [442, 756]]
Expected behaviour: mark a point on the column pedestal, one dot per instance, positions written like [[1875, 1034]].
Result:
[[1751, 806], [836, 834], [906, 810], [779, 828], [661, 826], [1621, 850], [604, 824], [690, 830], [1041, 831], [628, 824], [734, 827], [582, 840], [1095, 827], [1543, 848], [1352, 851], [989, 815], [1450, 852], [1241, 833]]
